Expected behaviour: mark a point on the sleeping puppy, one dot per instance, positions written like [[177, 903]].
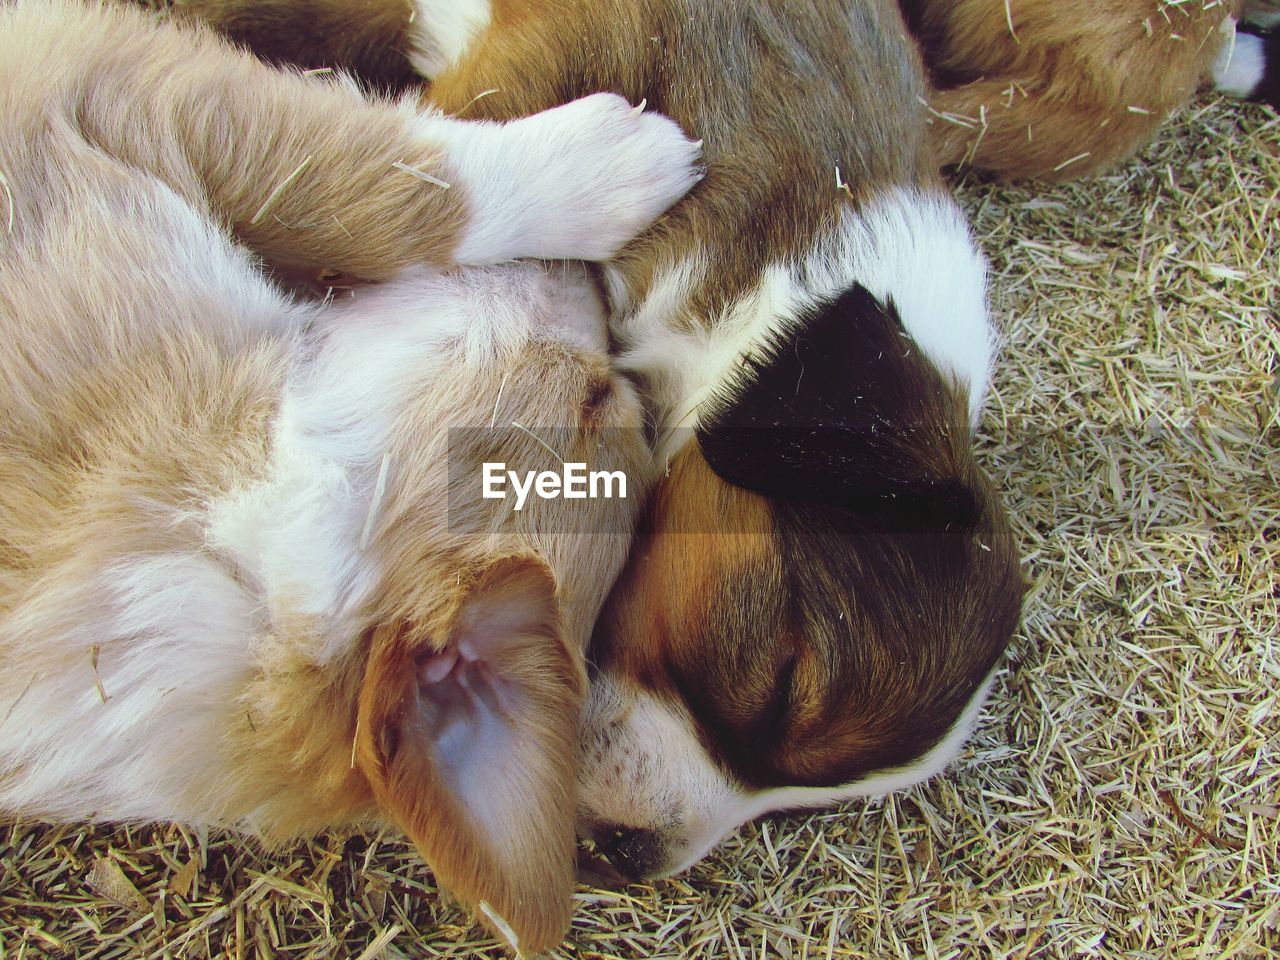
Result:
[[248, 578], [1041, 88], [825, 580]]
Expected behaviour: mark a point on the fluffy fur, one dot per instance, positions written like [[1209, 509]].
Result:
[[820, 183], [246, 576]]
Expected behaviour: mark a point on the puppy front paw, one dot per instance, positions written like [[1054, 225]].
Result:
[[576, 182], [609, 170]]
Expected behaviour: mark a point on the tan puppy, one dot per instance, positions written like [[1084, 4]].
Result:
[[826, 579], [247, 575], [1052, 89]]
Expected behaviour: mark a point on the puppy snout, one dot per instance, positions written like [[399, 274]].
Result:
[[634, 853]]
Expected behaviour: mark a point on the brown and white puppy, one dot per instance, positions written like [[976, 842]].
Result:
[[247, 575], [826, 580], [1042, 88]]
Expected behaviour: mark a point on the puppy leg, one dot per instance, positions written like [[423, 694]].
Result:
[[369, 40], [1054, 90], [303, 171], [306, 173], [1004, 129]]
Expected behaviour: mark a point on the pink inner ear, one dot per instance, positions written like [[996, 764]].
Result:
[[468, 718], [457, 681]]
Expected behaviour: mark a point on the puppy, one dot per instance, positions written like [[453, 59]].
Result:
[[825, 579], [1039, 88], [248, 576]]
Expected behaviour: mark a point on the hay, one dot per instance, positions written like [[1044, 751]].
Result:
[[281, 187], [1120, 798]]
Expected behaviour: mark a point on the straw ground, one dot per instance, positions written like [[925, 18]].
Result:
[[1121, 798]]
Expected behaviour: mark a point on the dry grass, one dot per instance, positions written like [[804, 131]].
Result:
[[1120, 799]]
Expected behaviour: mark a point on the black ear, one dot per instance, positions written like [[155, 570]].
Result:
[[844, 410]]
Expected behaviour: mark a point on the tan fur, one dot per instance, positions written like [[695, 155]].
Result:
[[222, 149], [145, 370]]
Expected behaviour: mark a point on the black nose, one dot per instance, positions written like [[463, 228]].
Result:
[[634, 852]]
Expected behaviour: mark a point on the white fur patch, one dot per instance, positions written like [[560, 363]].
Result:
[[915, 249], [441, 30], [293, 537], [169, 677], [647, 769], [1241, 66], [572, 183], [910, 247], [296, 533], [684, 364]]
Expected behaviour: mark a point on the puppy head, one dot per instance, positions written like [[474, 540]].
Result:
[[473, 678], [439, 373], [823, 587]]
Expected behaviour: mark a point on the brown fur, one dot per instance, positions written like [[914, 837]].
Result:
[[357, 35], [762, 153], [1021, 88], [779, 623], [721, 528], [773, 144], [1041, 88]]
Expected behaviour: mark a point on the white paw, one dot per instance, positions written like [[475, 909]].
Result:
[[1241, 66], [608, 170], [576, 182]]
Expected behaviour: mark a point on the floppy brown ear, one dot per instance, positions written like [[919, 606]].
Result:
[[469, 743]]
